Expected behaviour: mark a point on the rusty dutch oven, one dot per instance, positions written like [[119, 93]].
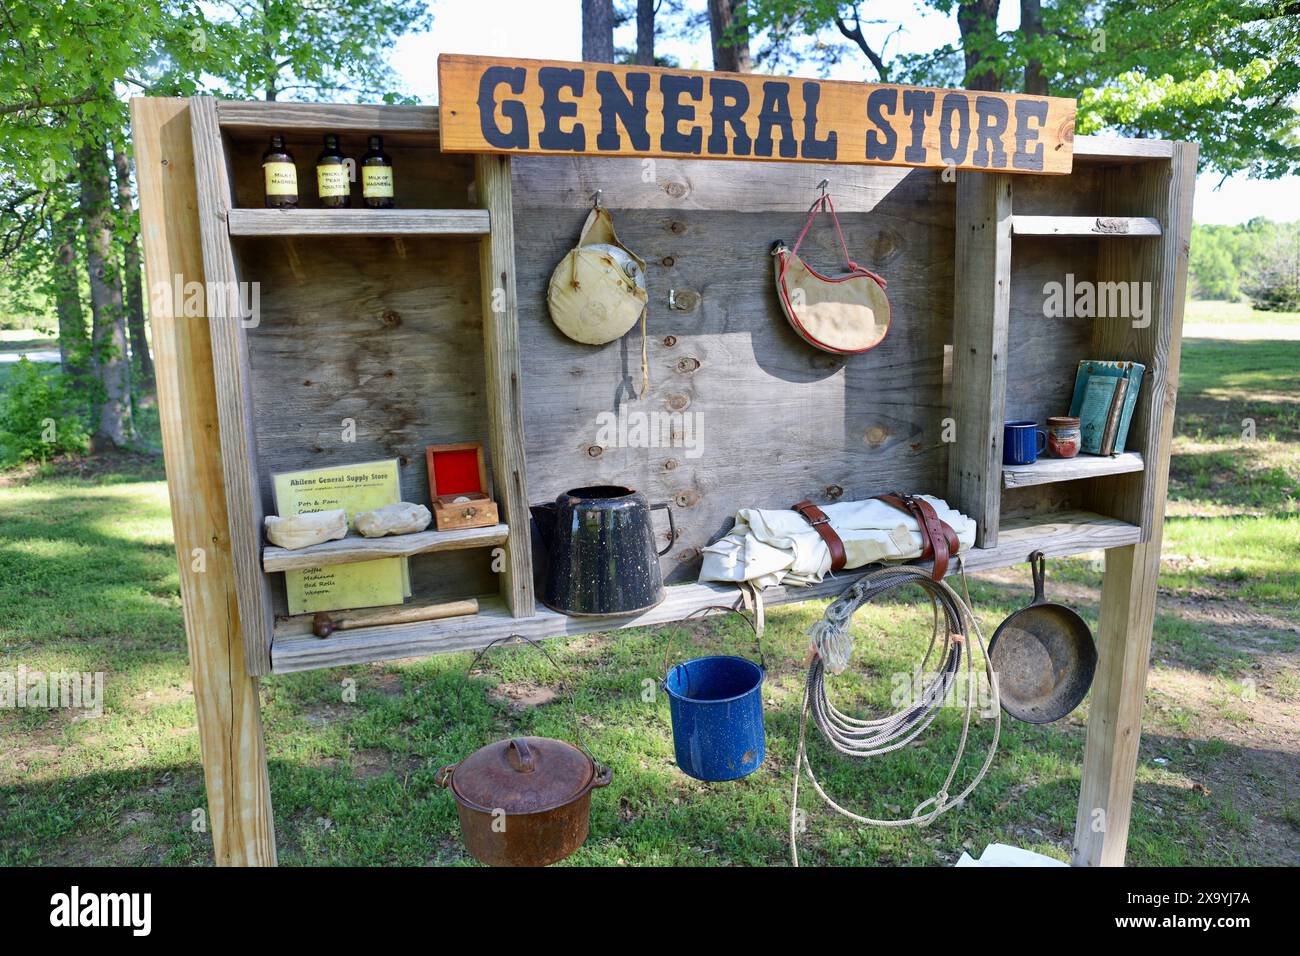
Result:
[[524, 801]]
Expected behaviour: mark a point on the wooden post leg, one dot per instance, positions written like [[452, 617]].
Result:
[[1128, 605], [225, 695], [501, 365]]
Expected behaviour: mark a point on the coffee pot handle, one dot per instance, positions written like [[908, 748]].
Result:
[[672, 528]]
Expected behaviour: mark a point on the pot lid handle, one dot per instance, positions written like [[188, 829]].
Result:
[[519, 756]]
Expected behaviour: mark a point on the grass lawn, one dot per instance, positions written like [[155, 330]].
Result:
[[89, 583]]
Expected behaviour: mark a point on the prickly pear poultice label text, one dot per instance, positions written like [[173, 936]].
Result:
[[332, 180], [492, 105]]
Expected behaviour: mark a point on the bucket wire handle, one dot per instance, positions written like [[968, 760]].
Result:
[[573, 703], [758, 643]]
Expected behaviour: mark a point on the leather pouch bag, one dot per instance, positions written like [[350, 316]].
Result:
[[844, 314]]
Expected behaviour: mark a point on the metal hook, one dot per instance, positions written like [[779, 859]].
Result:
[[823, 186], [595, 199]]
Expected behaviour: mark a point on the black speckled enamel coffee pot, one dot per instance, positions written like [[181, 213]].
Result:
[[601, 544]]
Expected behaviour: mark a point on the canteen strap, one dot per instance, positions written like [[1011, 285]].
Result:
[[824, 202]]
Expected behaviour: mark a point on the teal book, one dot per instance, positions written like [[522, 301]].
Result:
[[1094, 388]]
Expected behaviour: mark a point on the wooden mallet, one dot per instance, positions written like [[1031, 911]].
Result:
[[322, 625]]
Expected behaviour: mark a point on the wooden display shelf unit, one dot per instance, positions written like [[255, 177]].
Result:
[[355, 548], [359, 222], [1048, 471], [275, 379], [423, 346]]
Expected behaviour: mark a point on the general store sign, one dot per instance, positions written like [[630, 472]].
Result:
[[491, 105]]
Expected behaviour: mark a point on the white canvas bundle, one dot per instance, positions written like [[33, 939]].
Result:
[[775, 547]]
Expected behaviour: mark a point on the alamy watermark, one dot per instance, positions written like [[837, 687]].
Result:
[[194, 300], [909, 687], [639, 429], [23, 688], [1085, 299]]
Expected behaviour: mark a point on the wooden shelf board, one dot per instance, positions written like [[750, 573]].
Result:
[[1087, 226], [333, 117], [355, 548], [1063, 533], [1120, 149], [1047, 471], [359, 222]]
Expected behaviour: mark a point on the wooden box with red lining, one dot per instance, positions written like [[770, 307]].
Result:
[[458, 487]]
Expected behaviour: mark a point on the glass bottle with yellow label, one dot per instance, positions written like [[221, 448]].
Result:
[[280, 175], [377, 176], [332, 182]]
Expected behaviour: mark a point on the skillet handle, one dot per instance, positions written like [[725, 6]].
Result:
[[1038, 562]]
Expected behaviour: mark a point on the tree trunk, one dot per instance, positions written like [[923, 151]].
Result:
[[598, 31], [131, 277], [108, 318], [978, 22], [645, 32], [1031, 28], [67, 295], [730, 40]]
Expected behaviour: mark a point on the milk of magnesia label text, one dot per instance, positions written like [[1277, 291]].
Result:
[[75, 908], [281, 179], [332, 180], [377, 180]]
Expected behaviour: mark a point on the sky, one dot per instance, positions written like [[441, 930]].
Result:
[[551, 30]]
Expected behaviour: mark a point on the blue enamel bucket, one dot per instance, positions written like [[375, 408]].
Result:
[[717, 712]]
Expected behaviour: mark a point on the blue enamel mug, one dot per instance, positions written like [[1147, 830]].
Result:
[[1022, 443]]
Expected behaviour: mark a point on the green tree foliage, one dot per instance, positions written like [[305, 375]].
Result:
[[1222, 73], [1271, 278], [1258, 260], [67, 70], [39, 416], [335, 49]]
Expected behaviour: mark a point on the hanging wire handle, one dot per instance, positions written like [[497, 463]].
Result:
[[725, 608], [573, 703]]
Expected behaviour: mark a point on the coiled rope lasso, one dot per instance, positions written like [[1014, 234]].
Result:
[[855, 737]]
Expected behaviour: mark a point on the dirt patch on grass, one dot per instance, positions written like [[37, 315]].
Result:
[[522, 696]]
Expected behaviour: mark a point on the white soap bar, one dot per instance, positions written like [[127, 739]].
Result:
[[301, 531], [401, 518]]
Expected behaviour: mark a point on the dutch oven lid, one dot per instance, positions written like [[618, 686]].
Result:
[[523, 775]]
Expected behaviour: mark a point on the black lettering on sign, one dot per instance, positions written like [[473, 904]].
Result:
[[604, 109], [812, 147], [878, 146], [917, 104], [954, 105], [676, 112], [1027, 110], [775, 114], [513, 110], [730, 100], [615, 106], [992, 124], [552, 80]]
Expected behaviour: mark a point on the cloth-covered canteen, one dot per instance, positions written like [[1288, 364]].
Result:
[[845, 314], [598, 291]]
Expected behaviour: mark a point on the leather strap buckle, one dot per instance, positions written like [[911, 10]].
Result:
[[822, 525]]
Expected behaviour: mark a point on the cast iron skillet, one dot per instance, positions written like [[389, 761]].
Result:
[[1044, 657]]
